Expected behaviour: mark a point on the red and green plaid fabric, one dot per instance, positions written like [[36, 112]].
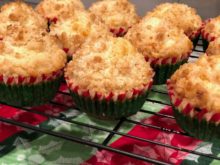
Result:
[[21, 147]]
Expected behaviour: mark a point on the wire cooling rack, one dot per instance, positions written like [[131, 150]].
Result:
[[115, 131]]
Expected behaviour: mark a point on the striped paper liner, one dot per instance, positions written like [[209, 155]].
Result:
[[52, 20], [195, 34], [69, 55], [111, 96], [168, 60], [21, 80], [120, 32], [206, 35], [187, 109]]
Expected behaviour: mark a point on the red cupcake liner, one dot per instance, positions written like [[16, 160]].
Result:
[[69, 55], [195, 34], [111, 96], [168, 60], [188, 109], [206, 35], [120, 32], [52, 20], [21, 80]]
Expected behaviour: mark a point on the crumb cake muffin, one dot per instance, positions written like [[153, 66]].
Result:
[[30, 68], [181, 16], [164, 46], [20, 14], [194, 91], [210, 31], [72, 32], [118, 15], [108, 78], [54, 10], [214, 47]]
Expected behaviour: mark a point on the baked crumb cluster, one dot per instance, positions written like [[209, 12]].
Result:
[[73, 24], [20, 14], [58, 9], [115, 13], [213, 27], [214, 47], [157, 38], [73, 32], [199, 83], [25, 47], [107, 65], [180, 15]]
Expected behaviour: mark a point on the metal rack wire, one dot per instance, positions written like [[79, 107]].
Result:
[[115, 130]]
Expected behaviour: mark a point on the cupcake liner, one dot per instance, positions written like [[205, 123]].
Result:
[[69, 56], [112, 106], [164, 72], [199, 123], [194, 37], [164, 68], [206, 37], [120, 32], [52, 20], [29, 91], [195, 41], [205, 44]]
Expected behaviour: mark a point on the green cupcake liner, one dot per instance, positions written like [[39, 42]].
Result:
[[164, 72], [30, 94], [69, 58], [205, 44], [195, 41], [207, 131], [109, 110]]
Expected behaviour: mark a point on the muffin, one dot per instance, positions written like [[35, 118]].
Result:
[[214, 47], [210, 31], [31, 67], [182, 17], [54, 10], [20, 14], [164, 46], [118, 15], [108, 78], [73, 32], [194, 91]]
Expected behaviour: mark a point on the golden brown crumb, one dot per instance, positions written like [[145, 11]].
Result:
[[213, 27], [58, 8], [118, 67], [19, 13], [199, 83], [30, 55], [156, 38], [73, 31], [115, 13], [214, 47], [179, 15]]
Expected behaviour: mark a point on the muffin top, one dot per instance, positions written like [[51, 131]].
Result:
[[213, 27], [29, 54], [156, 38], [73, 31], [180, 15], [108, 64], [20, 14], [199, 83], [116, 13], [214, 47], [58, 9]]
